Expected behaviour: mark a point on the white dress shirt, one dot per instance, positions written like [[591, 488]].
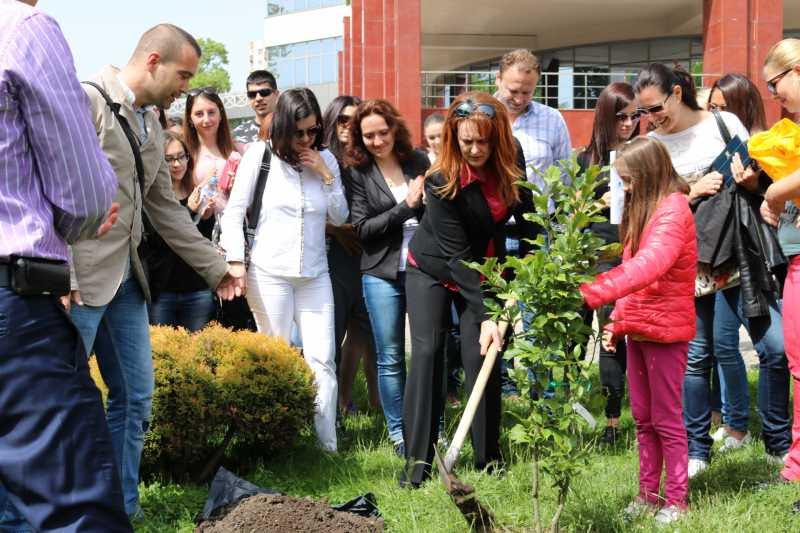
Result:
[[290, 236]]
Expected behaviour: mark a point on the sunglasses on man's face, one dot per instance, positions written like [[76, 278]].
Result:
[[263, 93], [772, 84], [469, 107], [311, 132]]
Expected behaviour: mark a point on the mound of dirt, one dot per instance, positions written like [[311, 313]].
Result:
[[269, 512]]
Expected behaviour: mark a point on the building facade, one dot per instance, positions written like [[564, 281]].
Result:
[[422, 53], [301, 42]]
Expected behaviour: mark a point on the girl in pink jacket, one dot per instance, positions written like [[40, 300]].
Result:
[[654, 293]]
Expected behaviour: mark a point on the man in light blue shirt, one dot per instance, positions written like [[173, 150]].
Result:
[[541, 131]]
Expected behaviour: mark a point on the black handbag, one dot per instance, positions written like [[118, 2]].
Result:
[[254, 209], [147, 250]]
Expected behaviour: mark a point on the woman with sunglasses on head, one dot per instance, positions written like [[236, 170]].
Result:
[[616, 121], [386, 179], [181, 298], [780, 208], [288, 278], [470, 193], [694, 140], [353, 330]]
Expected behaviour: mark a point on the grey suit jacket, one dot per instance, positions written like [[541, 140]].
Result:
[[98, 265]]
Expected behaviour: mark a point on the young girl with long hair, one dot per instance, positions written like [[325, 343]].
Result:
[[654, 293]]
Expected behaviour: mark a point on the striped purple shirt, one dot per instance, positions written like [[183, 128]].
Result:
[[55, 182]]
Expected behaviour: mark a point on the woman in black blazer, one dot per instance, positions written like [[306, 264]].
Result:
[[470, 193], [386, 182]]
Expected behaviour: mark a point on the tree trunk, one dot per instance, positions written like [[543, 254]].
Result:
[[562, 500], [537, 517]]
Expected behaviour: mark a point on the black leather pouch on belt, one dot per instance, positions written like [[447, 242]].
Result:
[[35, 276]]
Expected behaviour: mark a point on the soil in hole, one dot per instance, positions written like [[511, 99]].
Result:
[[269, 512]]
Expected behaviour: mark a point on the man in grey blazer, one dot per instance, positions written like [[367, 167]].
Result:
[[109, 286]]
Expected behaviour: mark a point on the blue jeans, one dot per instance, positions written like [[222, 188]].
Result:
[[189, 310], [714, 333], [56, 457], [773, 372], [386, 304], [119, 335]]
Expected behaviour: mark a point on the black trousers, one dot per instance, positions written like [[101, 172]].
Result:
[[612, 365], [56, 458], [428, 311]]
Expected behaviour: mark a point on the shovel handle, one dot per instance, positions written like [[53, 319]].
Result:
[[474, 398]]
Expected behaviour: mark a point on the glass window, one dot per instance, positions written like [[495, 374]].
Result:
[[306, 63], [284, 7]]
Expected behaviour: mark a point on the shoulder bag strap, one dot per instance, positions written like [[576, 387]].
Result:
[[723, 128], [254, 210]]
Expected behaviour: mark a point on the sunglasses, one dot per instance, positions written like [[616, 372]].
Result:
[[772, 84], [654, 109], [717, 107], [202, 90], [469, 107], [312, 132], [634, 117], [263, 93], [343, 120], [175, 159]]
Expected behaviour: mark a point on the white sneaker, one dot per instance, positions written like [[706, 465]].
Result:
[[696, 466], [637, 508], [720, 434], [669, 514], [732, 443]]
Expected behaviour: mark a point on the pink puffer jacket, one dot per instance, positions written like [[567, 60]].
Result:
[[654, 289]]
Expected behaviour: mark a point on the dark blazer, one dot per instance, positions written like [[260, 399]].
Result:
[[459, 230], [378, 219]]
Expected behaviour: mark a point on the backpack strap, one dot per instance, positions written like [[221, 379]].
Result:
[[254, 209]]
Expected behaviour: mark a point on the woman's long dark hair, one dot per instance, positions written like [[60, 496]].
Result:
[[224, 139], [612, 100], [330, 119], [743, 100], [665, 78], [357, 153], [293, 105]]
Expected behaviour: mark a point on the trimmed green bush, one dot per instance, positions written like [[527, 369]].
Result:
[[222, 395]]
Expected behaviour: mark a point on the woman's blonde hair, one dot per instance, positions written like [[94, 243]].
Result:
[[784, 54]]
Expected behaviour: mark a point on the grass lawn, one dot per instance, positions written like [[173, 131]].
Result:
[[728, 497]]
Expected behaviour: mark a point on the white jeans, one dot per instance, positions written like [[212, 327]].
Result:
[[276, 303]]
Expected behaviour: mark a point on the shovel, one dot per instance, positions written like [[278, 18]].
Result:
[[463, 494]]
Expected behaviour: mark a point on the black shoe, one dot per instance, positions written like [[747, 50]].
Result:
[[609, 437], [796, 507]]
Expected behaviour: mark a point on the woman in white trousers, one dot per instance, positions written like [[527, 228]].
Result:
[[288, 279]]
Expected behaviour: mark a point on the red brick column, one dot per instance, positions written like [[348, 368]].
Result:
[[409, 65], [373, 66], [346, 66], [737, 35], [357, 57], [390, 50]]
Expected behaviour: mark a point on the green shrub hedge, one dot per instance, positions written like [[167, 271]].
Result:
[[236, 396]]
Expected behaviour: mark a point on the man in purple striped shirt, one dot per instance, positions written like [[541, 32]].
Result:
[[56, 186]]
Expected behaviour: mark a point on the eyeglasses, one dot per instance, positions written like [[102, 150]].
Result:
[[202, 90], [263, 93], [175, 158], [772, 84], [469, 107], [343, 120], [634, 117], [654, 109], [312, 132]]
